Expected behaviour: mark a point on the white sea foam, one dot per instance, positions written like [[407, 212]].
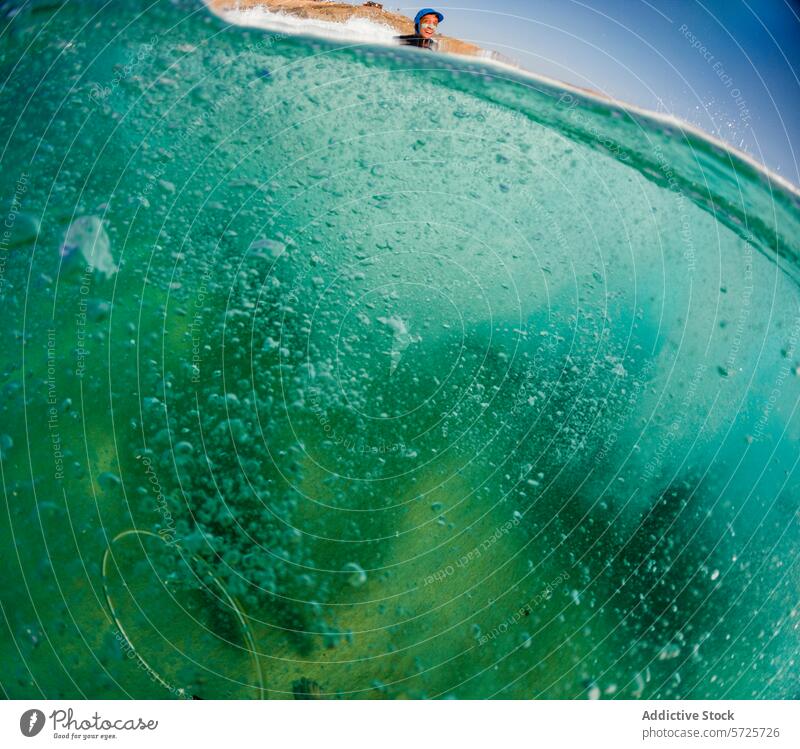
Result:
[[353, 29]]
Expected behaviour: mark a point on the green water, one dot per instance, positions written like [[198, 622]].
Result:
[[399, 374]]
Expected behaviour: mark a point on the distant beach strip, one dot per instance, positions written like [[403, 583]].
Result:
[[364, 23]]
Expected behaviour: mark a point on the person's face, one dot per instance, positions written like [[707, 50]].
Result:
[[428, 25]]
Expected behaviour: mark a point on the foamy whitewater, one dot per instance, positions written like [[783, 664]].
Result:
[[353, 29]]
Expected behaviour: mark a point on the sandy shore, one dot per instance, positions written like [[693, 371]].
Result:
[[340, 12]]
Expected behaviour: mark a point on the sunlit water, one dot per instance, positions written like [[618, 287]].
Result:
[[359, 372]]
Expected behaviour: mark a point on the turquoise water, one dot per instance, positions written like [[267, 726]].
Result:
[[358, 372]]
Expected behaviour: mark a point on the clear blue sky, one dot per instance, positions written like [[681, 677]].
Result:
[[741, 80]]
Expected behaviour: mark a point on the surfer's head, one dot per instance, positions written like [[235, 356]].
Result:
[[427, 21]]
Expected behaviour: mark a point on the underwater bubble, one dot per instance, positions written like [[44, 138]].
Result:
[[109, 481], [87, 239], [18, 228], [356, 575], [184, 448], [6, 443]]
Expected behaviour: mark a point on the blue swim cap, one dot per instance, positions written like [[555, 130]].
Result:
[[426, 12]]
